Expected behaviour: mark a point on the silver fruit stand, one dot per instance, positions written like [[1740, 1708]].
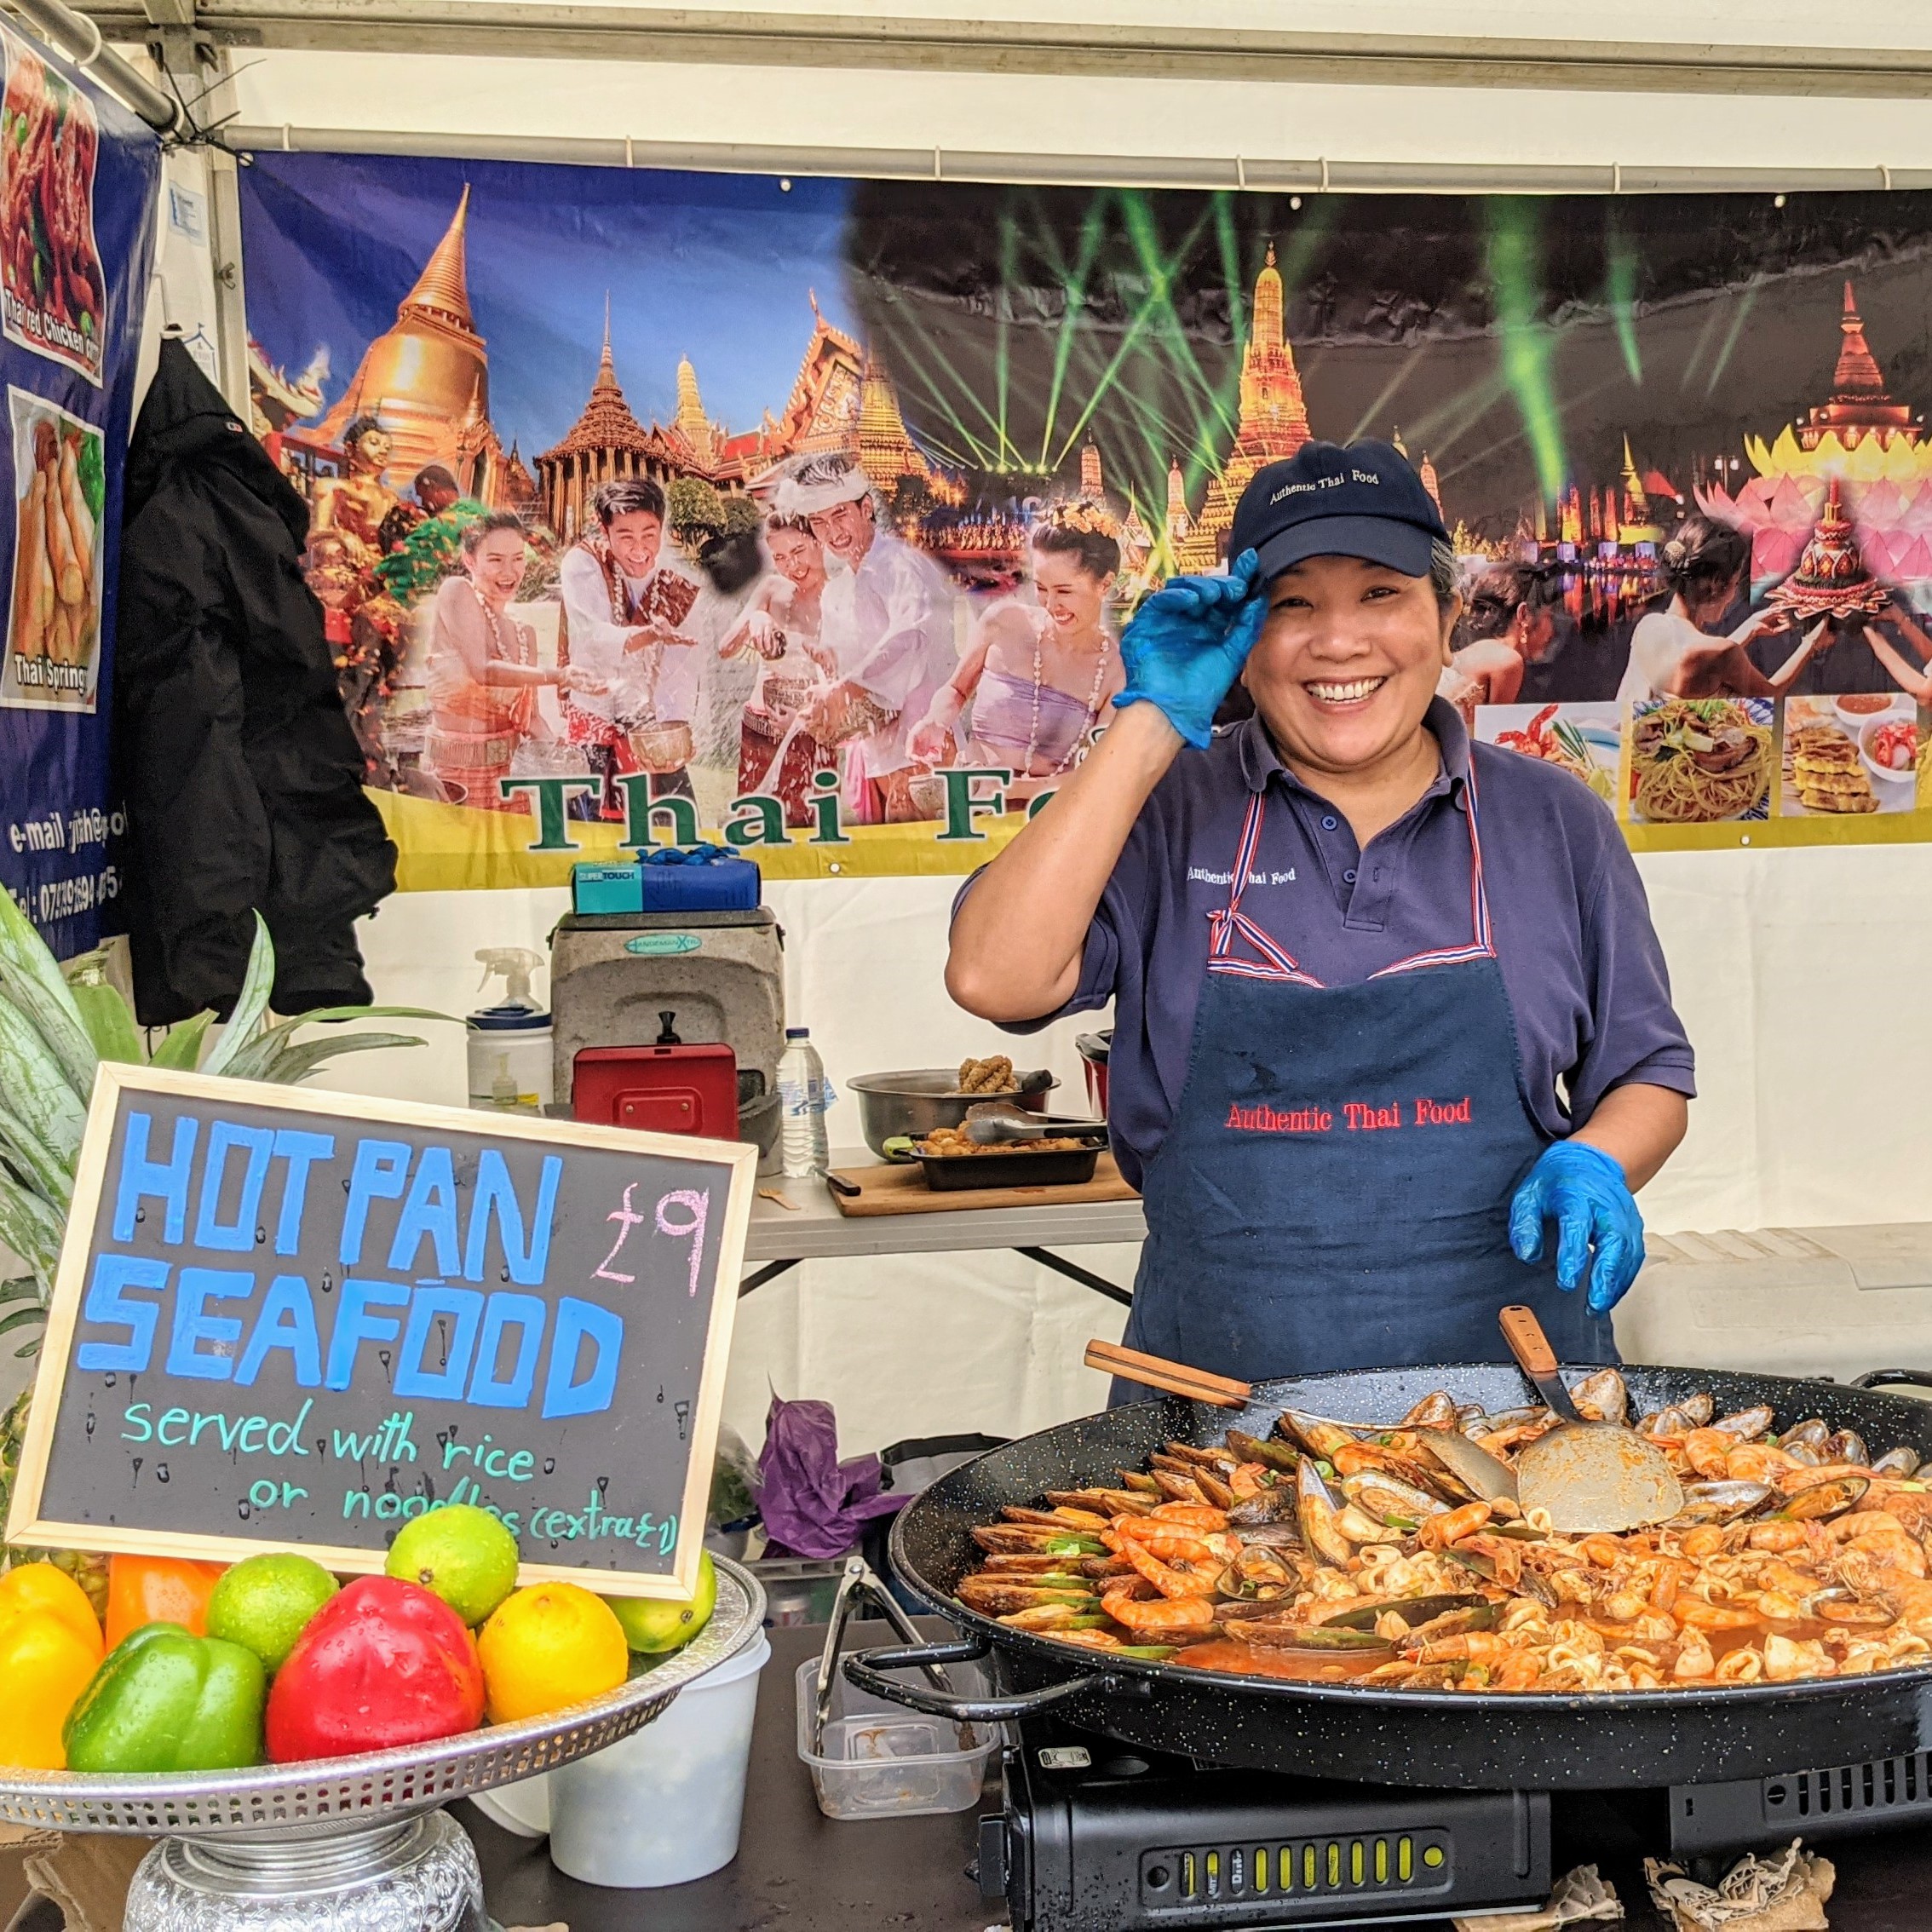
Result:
[[352, 1844]]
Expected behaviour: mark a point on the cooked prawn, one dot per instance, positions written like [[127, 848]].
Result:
[[1152, 1614], [1178, 1579], [1453, 1525]]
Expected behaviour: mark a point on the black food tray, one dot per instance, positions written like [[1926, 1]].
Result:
[[1063, 1168]]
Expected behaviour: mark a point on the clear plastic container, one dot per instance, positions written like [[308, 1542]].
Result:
[[663, 1806], [880, 1760]]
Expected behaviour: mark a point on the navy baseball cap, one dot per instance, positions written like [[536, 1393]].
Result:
[[1328, 500]]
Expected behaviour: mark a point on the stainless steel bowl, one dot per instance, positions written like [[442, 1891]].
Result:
[[917, 1100]]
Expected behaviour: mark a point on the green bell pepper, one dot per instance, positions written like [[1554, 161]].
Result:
[[164, 1700]]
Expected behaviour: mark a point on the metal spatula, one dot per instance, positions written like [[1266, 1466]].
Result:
[[1587, 1476]]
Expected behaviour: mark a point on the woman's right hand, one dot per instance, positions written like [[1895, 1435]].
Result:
[[571, 678], [1187, 643]]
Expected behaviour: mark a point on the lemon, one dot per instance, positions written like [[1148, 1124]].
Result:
[[551, 1645], [264, 1603], [459, 1553], [655, 1625]]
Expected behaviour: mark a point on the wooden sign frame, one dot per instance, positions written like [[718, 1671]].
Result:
[[26, 1525]]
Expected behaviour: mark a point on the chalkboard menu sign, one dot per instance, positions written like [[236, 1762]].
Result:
[[299, 1319]]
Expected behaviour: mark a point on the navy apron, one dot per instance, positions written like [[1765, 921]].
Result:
[[1334, 1192]]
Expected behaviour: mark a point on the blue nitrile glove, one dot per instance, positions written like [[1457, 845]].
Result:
[[1583, 1190], [1187, 643]]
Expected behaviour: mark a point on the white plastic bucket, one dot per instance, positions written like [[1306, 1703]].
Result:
[[664, 1805]]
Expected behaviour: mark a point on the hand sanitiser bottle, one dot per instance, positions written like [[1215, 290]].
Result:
[[509, 1042]]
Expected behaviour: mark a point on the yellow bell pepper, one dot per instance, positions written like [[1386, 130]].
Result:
[[50, 1646]]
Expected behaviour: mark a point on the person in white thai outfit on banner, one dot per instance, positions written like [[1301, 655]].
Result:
[[888, 622], [627, 613], [781, 628]]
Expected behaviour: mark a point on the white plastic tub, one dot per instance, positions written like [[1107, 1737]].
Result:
[[663, 1806], [880, 1760]]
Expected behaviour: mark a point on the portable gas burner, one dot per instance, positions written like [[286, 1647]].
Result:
[[1100, 1837]]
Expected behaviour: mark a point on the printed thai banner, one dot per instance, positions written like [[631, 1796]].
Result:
[[78, 176], [808, 514]]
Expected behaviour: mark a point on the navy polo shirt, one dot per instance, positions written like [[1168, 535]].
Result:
[[1580, 960]]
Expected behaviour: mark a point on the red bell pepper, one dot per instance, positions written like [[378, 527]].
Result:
[[382, 1664]]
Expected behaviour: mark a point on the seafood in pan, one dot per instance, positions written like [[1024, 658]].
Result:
[[1324, 1551]]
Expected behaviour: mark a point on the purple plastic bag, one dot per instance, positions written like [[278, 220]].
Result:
[[814, 1505]]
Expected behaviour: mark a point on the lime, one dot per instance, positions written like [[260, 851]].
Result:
[[547, 1647], [461, 1554], [655, 1625], [265, 1602]]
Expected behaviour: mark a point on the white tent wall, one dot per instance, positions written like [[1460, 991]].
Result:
[[1802, 975]]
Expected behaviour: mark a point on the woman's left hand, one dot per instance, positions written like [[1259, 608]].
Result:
[[1584, 1191]]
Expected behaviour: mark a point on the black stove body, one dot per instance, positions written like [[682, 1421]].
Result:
[[1100, 1837]]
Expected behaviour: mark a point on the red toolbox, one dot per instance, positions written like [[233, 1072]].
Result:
[[666, 1088]]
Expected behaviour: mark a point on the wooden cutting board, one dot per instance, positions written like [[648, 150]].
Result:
[[900, 1188]]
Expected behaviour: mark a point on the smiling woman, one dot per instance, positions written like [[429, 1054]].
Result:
[[1385, 1001]]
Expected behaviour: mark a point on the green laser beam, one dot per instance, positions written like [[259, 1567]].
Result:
[[1146, 317], [1746, 303], [1002, 325], [1513, 254], [1620, 290], [1711, 323], [1093, 231], [1404, 369]]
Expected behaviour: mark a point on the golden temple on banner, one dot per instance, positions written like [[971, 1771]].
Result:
[[1273, 424], [426, 381]]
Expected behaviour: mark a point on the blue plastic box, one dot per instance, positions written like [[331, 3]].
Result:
[[703, 879], [718, 881]]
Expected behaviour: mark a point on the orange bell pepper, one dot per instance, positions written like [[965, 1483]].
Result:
[[159, 1589], [50, 1646]]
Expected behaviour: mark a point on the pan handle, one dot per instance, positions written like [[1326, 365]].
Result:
[[867, 1670], [1908, 1377]]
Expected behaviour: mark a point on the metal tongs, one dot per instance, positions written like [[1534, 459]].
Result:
[[861, 1583], [991, 1124]]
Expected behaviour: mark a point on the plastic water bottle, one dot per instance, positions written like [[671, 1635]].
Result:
[[804, 1095]]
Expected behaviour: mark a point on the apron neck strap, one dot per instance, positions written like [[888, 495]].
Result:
[[1229, 922]]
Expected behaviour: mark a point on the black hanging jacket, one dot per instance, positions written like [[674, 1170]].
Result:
[[242, 775]]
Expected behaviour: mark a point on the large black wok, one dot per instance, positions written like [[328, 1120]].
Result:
[[1379, 1734]]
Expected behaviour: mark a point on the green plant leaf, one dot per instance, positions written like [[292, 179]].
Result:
[[38, 1166], [182, 1050], [22, 1318], [35, 1088], [31, 977], [20, 1288], [319, 1015], [255, 1060], [298, 1062], [110, 1025], [257, 984], [32, 1229]]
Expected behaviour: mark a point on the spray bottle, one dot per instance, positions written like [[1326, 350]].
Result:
[[509, 1042]]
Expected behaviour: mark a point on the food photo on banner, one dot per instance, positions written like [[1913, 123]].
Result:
[[807, 515], [78, 179]]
